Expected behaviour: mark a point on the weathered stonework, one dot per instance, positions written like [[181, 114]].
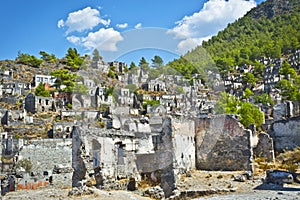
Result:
[[51, 160], [264, 148], [222, 144], [286, 134]]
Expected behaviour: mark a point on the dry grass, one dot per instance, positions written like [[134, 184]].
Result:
[[288, 160]]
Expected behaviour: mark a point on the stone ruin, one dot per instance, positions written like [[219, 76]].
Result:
[[121, 159], [172, 148]]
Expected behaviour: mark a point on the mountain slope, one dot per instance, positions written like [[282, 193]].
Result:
[[272, 29]]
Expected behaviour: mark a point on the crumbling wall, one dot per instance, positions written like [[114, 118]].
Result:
[[286, 134], [264, 147], [222, 144], [184, 144], [160, 163], [46, 156], [111, 152]]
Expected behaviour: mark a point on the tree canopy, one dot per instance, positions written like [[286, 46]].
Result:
[[41, 91], [65, 80], [74, 60], [247, 112], [157, 61]]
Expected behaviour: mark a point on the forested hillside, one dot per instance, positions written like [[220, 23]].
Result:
[[270, 30]]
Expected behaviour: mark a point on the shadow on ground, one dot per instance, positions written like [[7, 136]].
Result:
[[275, 187]]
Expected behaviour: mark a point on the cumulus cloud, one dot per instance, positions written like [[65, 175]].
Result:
[[214, 16], [81, 20], [190, 43], [74, 39], [139, 25], [125, 25], [104, 39]]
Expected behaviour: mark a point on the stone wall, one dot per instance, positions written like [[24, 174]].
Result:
[[286, 134], [264, 148], [47, 156], [111, 151], [184, 144], [222, 144]]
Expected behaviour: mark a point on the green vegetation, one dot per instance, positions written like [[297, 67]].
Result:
[[143, 62], [25, 164], [74, 60], [150, 102], [41, 91], [263, 99], [48, 57], [65, 80], [260, 33], [96, 55], [290, 85], [27, 59], [132, 87], [256, 35], [79, 88], [111, 74], [247, 112], [157, 61]]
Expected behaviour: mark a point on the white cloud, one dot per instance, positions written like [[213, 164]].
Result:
[[81, 20], [60, 23], [105, 22], [74, 39], [125, 25], [139, 25], [214, 16], [103, 39], [190, 43]]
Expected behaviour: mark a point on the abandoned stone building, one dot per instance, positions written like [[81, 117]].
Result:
[[34, 104], [45, 79], [157, 149], [14, 88], [171, 147]]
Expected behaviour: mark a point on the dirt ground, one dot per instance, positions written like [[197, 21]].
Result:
[[252, 189]]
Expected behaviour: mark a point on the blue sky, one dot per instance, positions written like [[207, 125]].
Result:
[[121, 29]]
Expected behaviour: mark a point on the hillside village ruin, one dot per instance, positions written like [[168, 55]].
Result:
[[104, 139]]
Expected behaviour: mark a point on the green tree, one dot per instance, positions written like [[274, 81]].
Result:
[[249, 79], [263, 99], [96, 55], [74, 60], [132, 66], [247, 112], [48, 57], [150, 102], [250, 114], [143, 62], [247, 93], [157, 61], [27, 59], [65, 80], [41, 91], [287, 90], [227, 104], [111, 74], [25, 164], [287, 70]]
